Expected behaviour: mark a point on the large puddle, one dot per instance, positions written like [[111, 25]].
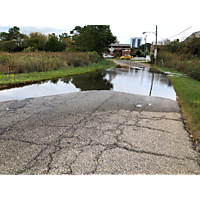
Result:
[[143, 81]]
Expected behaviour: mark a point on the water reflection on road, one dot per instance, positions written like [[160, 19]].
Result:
[[143, 81]]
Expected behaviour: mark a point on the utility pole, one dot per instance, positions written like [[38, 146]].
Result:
[[156, 45]]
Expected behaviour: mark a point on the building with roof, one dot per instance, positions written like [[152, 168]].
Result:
[[195, 34], [153, 45], [136, 42], [120, 49]]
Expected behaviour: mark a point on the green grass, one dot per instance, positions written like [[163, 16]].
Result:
[[13, 79], [188, 92]]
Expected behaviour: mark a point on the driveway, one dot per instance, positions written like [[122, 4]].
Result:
[[95, 132]]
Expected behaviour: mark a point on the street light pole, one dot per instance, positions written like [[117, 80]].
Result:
[[156, 45]]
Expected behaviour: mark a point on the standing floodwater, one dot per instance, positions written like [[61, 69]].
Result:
[[142, 81]]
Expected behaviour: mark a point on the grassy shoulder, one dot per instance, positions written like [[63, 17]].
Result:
[[188, 92], [14, 79]]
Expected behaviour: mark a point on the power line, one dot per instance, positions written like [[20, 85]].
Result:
[[180, 33], [172, 36]]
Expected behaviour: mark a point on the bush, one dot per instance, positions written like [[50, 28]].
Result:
[[94, 57], [29, 49]]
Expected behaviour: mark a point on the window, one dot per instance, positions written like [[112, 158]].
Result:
[[133, 42], [139, 42]]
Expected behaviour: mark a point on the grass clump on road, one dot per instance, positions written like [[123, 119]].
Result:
[[188, 92]]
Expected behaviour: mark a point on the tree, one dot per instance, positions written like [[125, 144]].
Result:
[[3, 36], [64, 37], [67, 41], [13, 33], [93, 38], [143, 47], [36, 40], [13, 40], [53, 44]]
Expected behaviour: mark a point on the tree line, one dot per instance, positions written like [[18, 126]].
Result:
[[88, 38]]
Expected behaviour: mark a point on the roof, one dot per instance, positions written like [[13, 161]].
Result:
[[158, 43], [120, 45], [195, 34]]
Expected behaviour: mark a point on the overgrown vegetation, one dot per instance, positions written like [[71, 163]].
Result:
[[7, 80], [16, 63], [181, 56], [187, 64]]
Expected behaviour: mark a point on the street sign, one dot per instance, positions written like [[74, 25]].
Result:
[[155, 53], [111, 50]]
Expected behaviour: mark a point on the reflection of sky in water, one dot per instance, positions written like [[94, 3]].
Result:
[[123, 80], [139, 82], [37, 90]]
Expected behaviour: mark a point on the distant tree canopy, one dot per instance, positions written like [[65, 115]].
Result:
[[13, 40], [93, 38], [36, 40], [88, 38]]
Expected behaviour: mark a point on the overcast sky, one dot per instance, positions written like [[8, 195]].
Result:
[[123, 32]]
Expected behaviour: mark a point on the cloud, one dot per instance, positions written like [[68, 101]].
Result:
[[45, 30]]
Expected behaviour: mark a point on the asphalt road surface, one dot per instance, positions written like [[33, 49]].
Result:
[[95, 132]]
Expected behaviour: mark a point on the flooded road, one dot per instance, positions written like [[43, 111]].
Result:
[[130, 79]]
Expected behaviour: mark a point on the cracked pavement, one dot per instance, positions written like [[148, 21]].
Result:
[[95, 132]]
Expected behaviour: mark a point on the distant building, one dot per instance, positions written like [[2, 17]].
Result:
[[136, 42], [195, 34], [153, 45], [120, 49]]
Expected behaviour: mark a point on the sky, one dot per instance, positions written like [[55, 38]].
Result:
[[123, 32]]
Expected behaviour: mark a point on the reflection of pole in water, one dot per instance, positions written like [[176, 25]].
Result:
[[142, 75], [151, 83]]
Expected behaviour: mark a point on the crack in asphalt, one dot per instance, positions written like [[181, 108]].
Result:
[[55, 147]]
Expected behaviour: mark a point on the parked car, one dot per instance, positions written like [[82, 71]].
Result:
[[104, 56], [125, 57], [107, 56]]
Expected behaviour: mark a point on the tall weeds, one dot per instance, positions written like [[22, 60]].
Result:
[[185, 63], [44, 61]]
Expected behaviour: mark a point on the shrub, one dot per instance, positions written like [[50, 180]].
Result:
[[94, 57], [29, 49]]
